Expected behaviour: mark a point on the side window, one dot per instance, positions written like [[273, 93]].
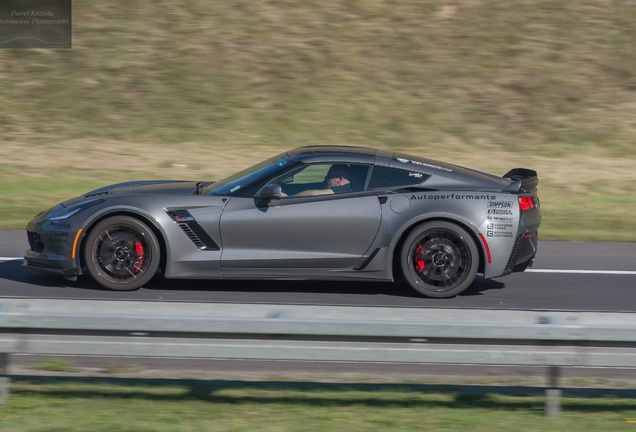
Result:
[[385, 177], [323, 179]]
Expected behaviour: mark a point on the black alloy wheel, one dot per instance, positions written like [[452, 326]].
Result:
[[439, 259], [122, 253]]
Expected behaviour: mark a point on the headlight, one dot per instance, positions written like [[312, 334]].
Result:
[[72, 211]]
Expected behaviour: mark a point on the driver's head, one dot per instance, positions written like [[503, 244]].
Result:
[[338, 175]]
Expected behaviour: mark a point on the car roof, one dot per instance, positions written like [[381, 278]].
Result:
[[326, 153]]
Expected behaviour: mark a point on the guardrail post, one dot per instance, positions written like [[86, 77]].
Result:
[[4, 379], [553, 402], [553, 394], [554, 374]]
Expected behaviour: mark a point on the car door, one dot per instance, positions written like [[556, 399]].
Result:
[[295, 232]]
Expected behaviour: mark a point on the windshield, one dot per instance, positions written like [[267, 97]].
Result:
[[236, 182]]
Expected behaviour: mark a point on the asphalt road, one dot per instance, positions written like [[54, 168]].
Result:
[[611, 286], [566, 276]]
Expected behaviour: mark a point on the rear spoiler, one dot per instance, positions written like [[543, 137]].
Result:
[[523, 180]]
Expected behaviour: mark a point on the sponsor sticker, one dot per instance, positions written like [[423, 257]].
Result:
[[62, 226], [499, 226], [499, 212], [500, 204], [499, 234], [453, 196], [500, 218], [414, 162]]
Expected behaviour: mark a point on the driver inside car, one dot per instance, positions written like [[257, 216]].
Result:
[[337, 180]]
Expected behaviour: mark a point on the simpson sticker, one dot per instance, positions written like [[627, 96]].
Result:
[[423, 164], [500, 204], [415, 174], [453, 196]]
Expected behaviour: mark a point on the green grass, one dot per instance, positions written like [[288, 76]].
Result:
[[22, 200], [55, 365], [82, 407], [492, 84], [118, 368], [541, 75]]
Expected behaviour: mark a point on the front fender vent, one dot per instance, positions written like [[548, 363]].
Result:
[[193, 230], [192, 236]]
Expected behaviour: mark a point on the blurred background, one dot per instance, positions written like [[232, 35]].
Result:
[[193, 89]]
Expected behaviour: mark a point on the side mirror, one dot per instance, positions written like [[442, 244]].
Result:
[[269, 193]]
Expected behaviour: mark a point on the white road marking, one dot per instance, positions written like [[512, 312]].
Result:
[[607, 272], [564, 271]]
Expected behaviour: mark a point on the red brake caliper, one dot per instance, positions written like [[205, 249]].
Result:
[[139, 250], [419, 259]]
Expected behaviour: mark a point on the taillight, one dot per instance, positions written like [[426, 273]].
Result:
[[526, 203]]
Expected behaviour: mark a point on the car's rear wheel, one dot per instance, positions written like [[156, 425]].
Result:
[[439, 259], [122, 253]]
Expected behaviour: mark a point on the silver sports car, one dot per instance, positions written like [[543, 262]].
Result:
[[324, 212]]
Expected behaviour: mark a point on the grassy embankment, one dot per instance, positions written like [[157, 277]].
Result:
[[102, 407], [216, 86]]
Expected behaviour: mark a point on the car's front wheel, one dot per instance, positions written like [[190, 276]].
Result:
[[122, 253], [439, 259]]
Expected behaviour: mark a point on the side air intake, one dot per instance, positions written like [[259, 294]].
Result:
[[193, 230]]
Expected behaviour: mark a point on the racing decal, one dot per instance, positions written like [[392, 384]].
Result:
[[500, 204], [62, 226], [414, 162], [183, 218], [499, 229], [435, 197], [499, 212], [415, 174], [499, 234], [500, 218], [500, 226]]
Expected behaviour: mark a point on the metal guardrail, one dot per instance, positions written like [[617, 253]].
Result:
[[280, 338]]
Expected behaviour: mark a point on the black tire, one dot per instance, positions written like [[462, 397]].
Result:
[[122, 253], [439, 259]]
